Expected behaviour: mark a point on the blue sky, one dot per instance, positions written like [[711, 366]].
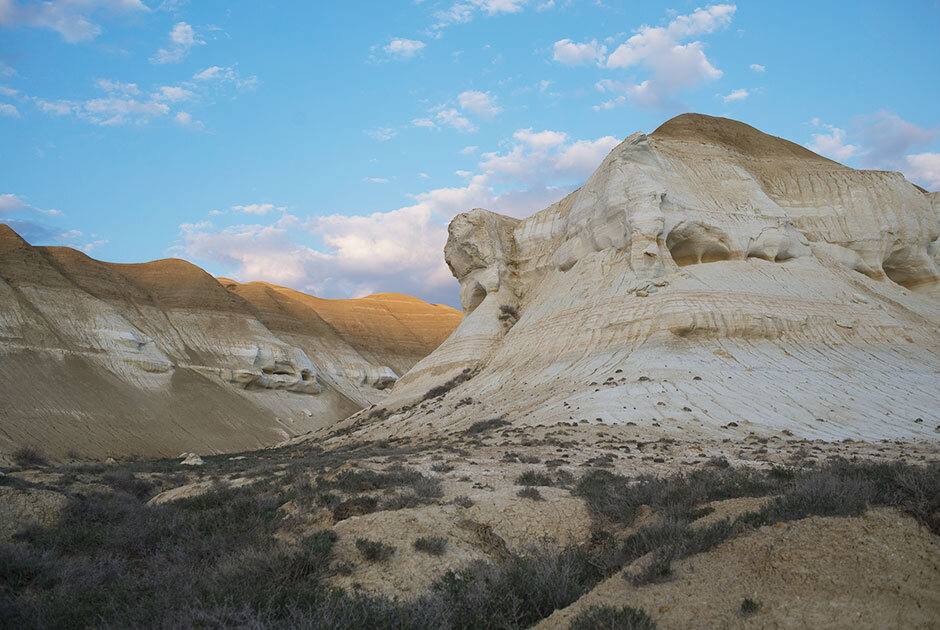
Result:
[[325, 145]]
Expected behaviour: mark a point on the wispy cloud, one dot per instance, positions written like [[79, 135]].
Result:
[[182, 39], [72, 19]]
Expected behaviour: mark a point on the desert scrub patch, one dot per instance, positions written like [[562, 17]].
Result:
[[433, 545], [749, 606], [27, 456], [465, 375], [374, 550], [126, 481], [485, 426], [357, 506], [463, 501], [530, 492], [611, 618], [534, 478]]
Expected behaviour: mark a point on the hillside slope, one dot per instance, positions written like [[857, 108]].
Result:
[[707, 280], [160, 357]]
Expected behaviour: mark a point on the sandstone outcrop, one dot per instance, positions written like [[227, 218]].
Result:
[[708, 279], [160, 357]]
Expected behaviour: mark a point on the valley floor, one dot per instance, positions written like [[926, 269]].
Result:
[[572, 525]]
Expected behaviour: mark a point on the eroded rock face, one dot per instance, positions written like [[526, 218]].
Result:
[[160, 357], [706, 274]]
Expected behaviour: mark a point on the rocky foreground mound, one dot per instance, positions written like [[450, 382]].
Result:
[[157, 358], [709, 280]]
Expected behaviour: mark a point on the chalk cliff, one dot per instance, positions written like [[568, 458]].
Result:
[[708, 279]]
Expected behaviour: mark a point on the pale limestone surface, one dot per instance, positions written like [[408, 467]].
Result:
[[707, 280], [151, 359]]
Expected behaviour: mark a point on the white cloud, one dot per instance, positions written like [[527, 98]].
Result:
[[756, 67], [469, 150], [674, 66], [888, 139], [185, 119], [424, 176], [884, 141], [401, 48], [483, 104], [172, 93], [7, 91], [70, 18], [463, 11], [400, 250], [6, 70], [924, 168], [127, 89], [117, 111], [57, 108], [541, 140], [450, 117], [736, 95], [260, 209], [381, 133], [182, 39], [832, 144], [226, 74], [12, 203], [9, 110], [423, 122], [376, 180], [544, 158], [569, 53]]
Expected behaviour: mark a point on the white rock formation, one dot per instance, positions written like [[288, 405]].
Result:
[[159, 357], [707, 279]]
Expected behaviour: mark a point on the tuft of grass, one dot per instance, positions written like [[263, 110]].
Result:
[[530, 492], [27, 456], [433, 545], [373, 550], [485, 426], [611, 618], [463, 501], [750, 606]]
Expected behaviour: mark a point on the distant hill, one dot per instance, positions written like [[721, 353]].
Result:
[[160, 357]]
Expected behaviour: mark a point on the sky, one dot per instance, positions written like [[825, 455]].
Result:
[[326, 145]]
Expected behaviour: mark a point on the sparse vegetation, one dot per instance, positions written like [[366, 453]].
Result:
[[463, 501], [534, 478], [530, 492], [465, 375], [374, 550], [611, 618], [29, 456], [433, 545], [508, 313], [749, 606], [485, 426], [213, 560]]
